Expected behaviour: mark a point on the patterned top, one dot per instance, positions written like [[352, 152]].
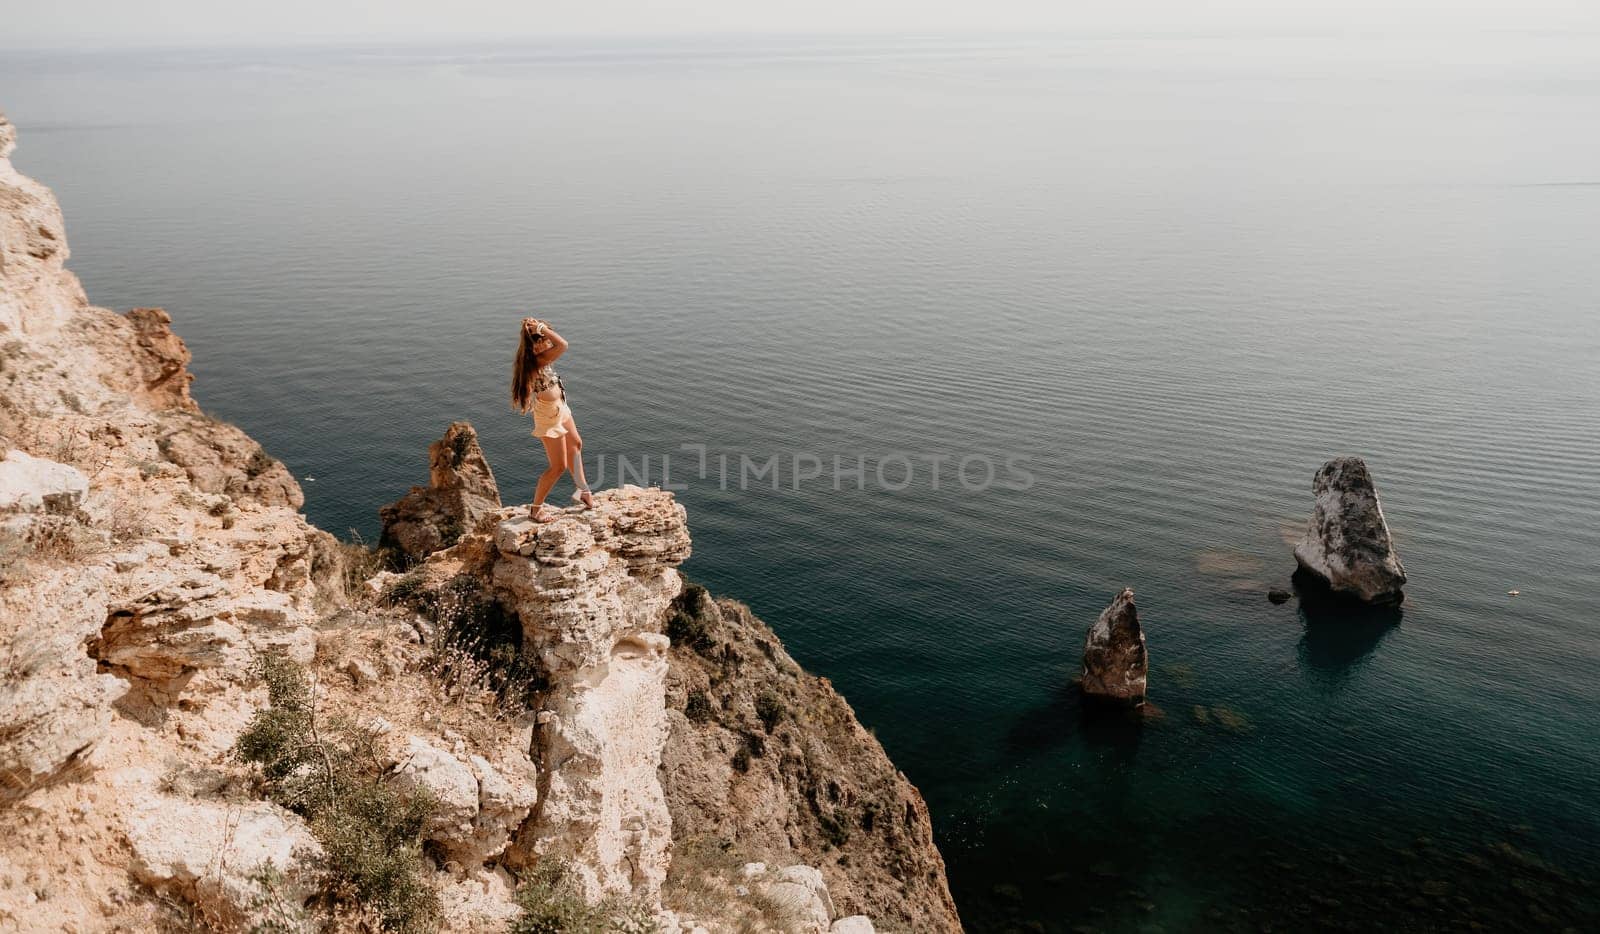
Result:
[[544, 378]]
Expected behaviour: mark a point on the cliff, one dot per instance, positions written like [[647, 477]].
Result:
[[215, 715]]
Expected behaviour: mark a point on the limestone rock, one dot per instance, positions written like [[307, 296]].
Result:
[[803, 896], [29, 484], [449, 782], [1115, 664], [478, 807], [505, 798], [54, 707], [591, 590], [855, 924], [460, 492], [1347, 545], [174, 624], [212, 854]]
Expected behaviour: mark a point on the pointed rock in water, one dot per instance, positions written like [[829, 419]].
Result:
[[460, 491], [1115, 664], [1277, 595], [1347, 545]]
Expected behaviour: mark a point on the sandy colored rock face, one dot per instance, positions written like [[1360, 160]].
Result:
[[54, 707], [1115, 664], [1347, 545], [144, 538]]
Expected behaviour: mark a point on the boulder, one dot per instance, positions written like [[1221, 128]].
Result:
[[238, 863], [1347, 546], [476, 806], [855, 924], [33, 484], [460, 492], [1115, 664], [1279, 596], [801, 894]]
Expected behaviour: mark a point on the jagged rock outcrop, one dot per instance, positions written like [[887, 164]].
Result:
[[460, 492], [771, 761], [235, 862], [592, 590], [36, 291], [1347, 547], [1115, 664]]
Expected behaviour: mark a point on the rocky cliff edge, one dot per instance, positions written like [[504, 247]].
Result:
[[555, 693]]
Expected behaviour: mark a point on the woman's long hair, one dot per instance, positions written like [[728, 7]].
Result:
[[526, 365]]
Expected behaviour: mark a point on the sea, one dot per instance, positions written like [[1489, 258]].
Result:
[[944, 340]]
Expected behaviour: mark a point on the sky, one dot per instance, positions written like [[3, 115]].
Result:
[[134, 23]]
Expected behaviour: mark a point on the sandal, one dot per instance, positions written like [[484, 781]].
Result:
[[544, 512], [583, 498]]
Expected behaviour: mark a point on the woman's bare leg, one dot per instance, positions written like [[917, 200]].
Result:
[[556, 450], [575, 460]]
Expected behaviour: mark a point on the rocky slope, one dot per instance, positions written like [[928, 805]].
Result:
[[769, 761], [525, 677]]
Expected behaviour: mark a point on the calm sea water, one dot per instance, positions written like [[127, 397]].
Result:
[[1171, 276]]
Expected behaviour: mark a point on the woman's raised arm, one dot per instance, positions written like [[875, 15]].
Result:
[[558, 346]]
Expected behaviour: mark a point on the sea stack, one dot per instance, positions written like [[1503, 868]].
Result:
[[460, 491], [1347, 546], [1115, 664]]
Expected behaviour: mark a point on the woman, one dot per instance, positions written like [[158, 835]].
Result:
[[536, 388]]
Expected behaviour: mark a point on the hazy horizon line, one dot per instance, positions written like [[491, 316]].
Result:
[[612, 39]]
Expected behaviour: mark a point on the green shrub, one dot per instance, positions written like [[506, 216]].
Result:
[[870, 812], [834, 830], [410, 589], [552, 904], [770, 708], [328, 771], [689, 621], [697, 707]]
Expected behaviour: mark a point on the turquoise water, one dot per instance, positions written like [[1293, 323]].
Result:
[[1167, 277]]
